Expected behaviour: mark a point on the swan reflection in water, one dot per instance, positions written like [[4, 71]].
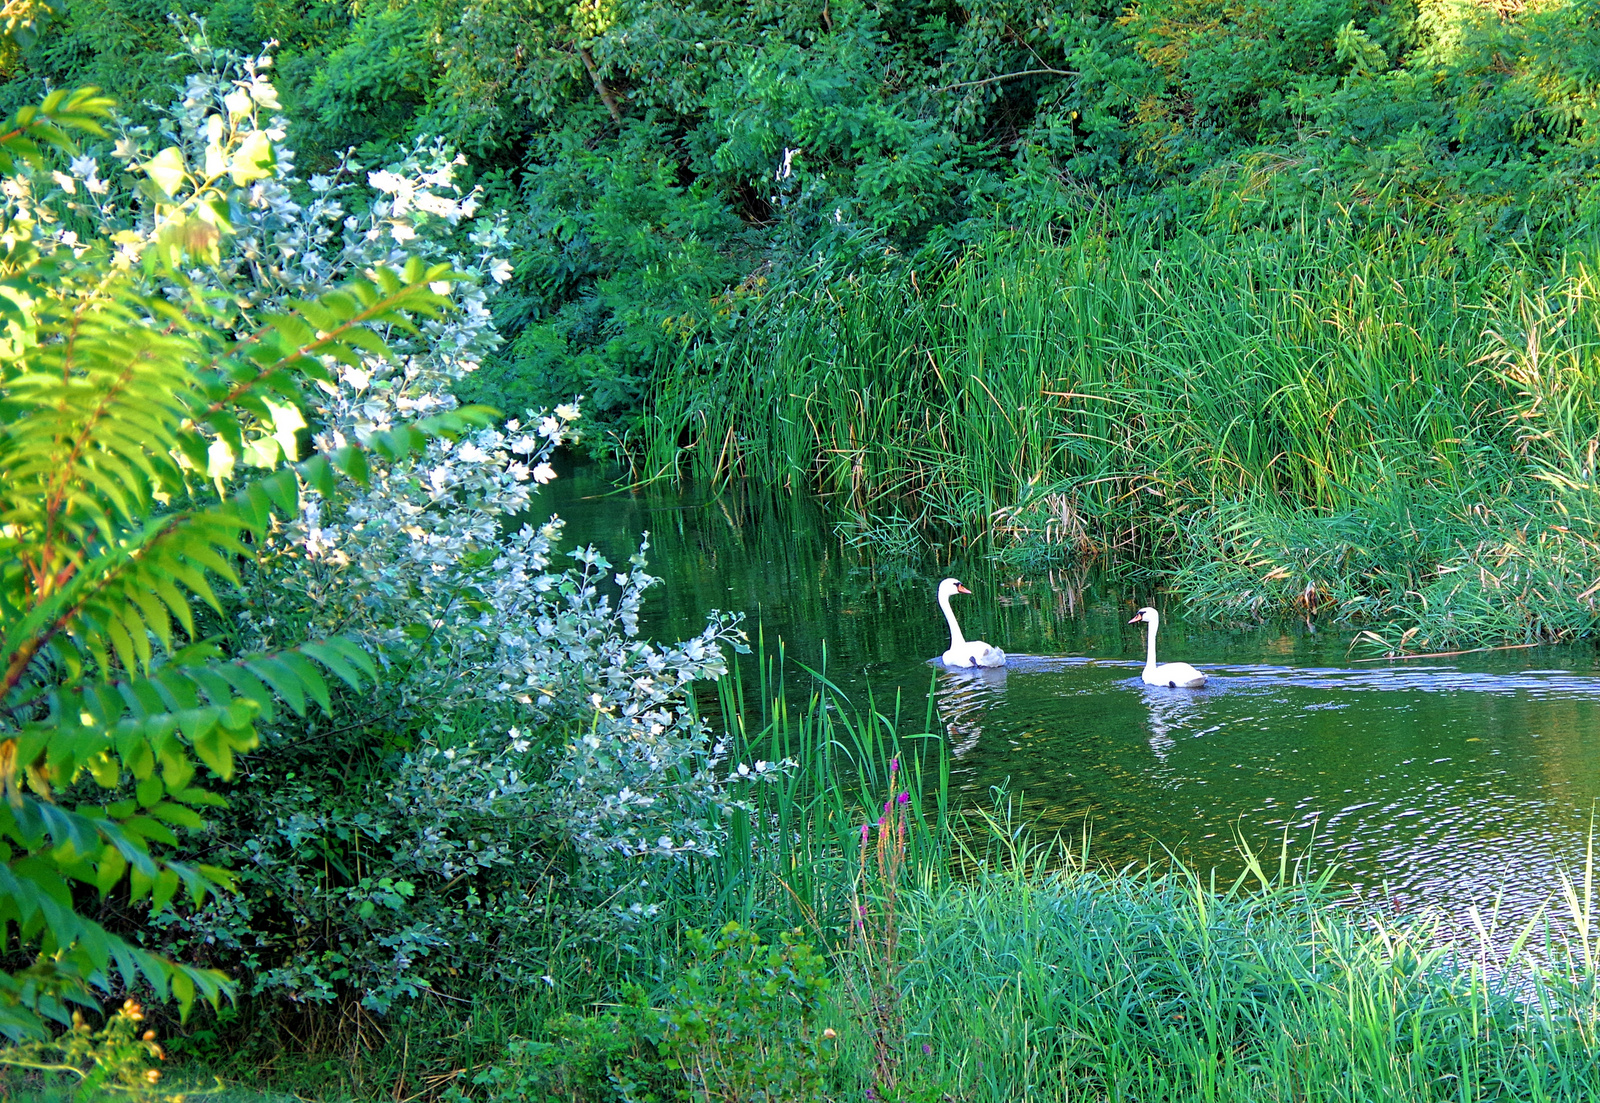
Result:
[[1171, 714], [961, 696]]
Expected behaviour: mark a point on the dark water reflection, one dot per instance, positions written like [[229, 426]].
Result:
[[1436, 783]]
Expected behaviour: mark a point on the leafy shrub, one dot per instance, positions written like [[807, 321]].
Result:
[[371, 86], [612, 1058], [124, 413], [738, 1024], [621, 266], [524, 757]]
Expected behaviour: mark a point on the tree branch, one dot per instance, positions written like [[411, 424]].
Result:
[[1009, 76], [600, 85]]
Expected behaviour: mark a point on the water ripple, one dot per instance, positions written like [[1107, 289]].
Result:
[[1230, 677]]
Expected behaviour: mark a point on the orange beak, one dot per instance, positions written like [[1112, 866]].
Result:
[[960, 589], [1137, 619]]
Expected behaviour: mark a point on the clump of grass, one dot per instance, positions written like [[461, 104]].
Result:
[[1313, 420], [1162, 987]]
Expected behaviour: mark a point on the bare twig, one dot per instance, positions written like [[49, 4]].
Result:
[[1009, 76]]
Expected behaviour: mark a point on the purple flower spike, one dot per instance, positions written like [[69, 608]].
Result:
[[905, 798], [866, 827], [880, 821], [894, 764]]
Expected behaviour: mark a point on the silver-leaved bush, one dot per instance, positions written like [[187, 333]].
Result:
[[434, 563]]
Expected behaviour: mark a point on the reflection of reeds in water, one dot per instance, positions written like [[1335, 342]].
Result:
[[961, 696]]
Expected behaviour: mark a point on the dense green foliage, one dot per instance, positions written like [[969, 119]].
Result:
[[1293, 296], [724, 212], [672, 164]]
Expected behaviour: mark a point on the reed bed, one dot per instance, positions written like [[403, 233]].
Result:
[[1150, 986], [1313, 421]]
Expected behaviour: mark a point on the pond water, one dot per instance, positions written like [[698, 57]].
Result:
[[1437, 784]]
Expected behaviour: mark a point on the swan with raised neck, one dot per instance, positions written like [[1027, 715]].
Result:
[[1172, 675], [962, 652]]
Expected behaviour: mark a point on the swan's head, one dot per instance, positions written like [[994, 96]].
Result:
[[950, 586], [1146, 615]]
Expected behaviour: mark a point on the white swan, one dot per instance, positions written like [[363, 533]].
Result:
[[962, 653], [1173, 675]]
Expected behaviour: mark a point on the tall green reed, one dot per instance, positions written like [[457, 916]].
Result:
[[1307, 420], [1126, 367], [793, 840]]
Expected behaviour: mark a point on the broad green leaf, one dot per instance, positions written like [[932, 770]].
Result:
[[167, 170]]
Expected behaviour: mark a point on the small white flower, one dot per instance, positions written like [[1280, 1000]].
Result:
[[543, 473], [567, 412]]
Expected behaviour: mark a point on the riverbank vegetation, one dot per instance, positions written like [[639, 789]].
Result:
[[1299, 422], [1329, 257], [843, 946], [334, 784]]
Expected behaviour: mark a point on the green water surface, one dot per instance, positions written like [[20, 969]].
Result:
[[1442, 784]]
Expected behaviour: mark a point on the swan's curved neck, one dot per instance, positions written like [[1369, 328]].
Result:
[[956, 638], [1150, 641]]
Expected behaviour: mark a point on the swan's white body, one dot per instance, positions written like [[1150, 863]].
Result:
[[963, 653], [1172, 675]]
